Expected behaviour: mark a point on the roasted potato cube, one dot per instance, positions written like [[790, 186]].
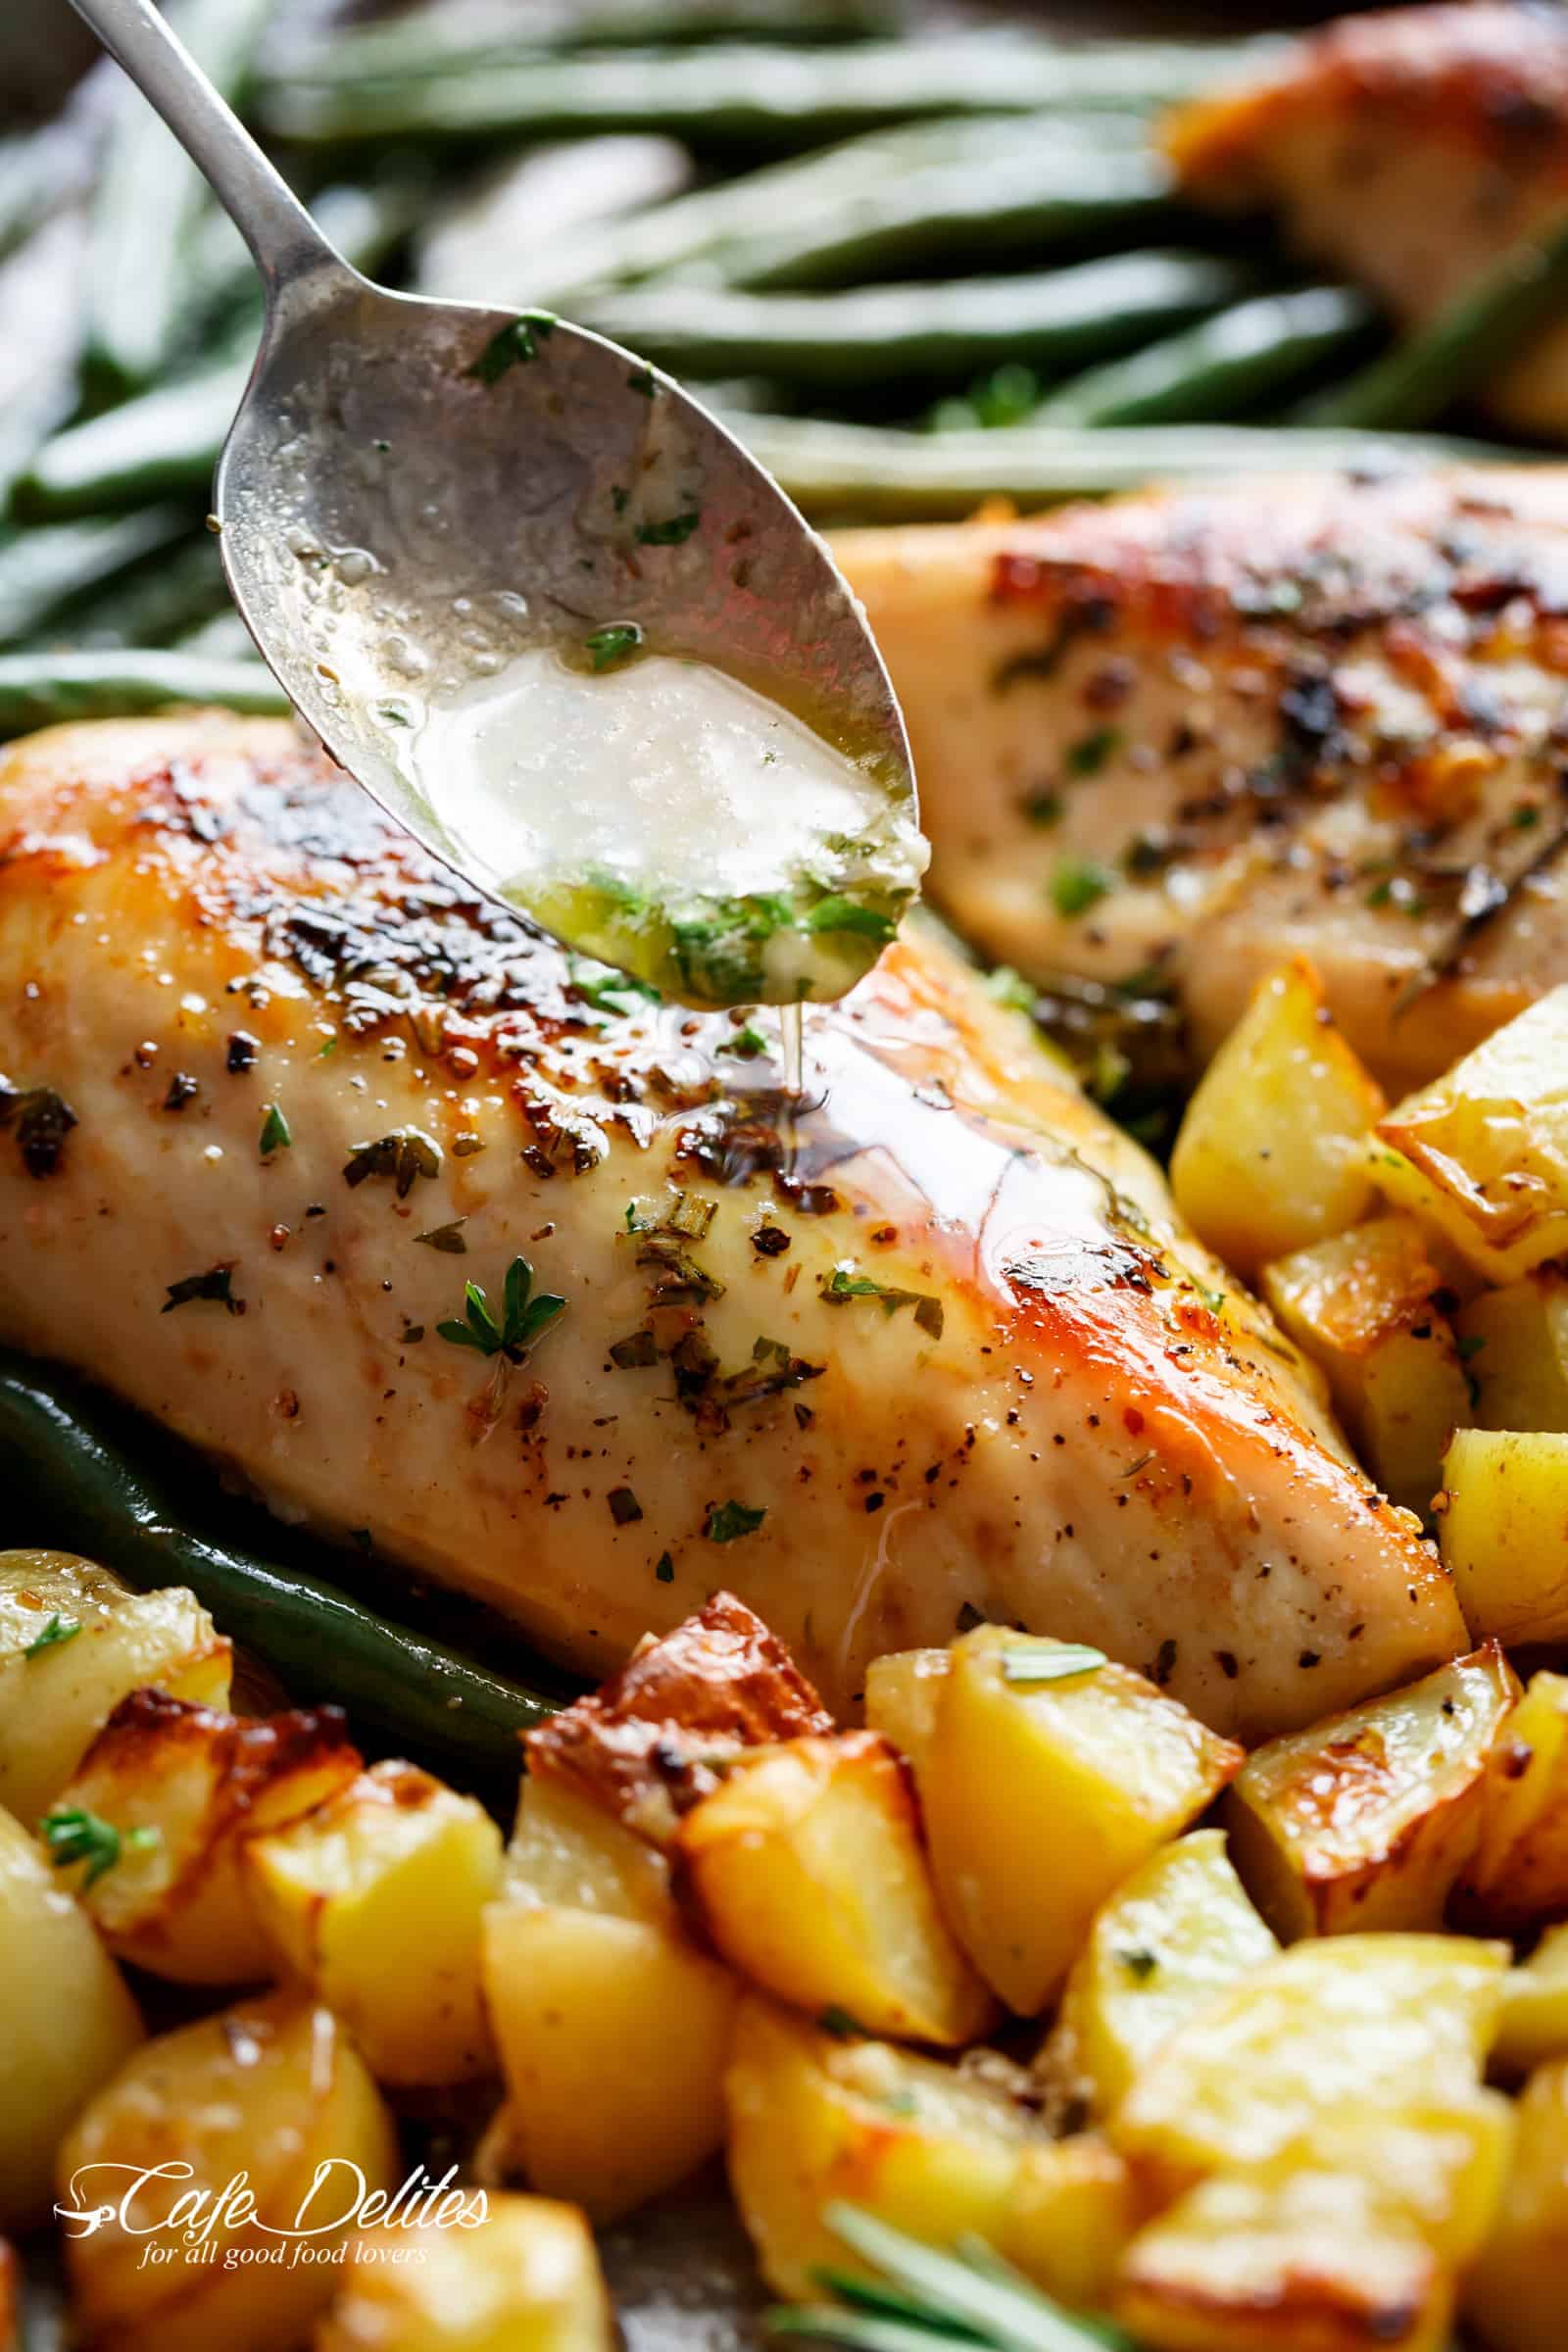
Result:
[[1342, 2240], [1520, 1872], [1516, 2294], [1369, 1819], [68, 2022], [265, 2092], [1382, 2023], [602, 2007], [1483, 1151], [527, 2281], [158, 1811], [808, 1874], [1174, 1934], [1534, 2025], [73, 1642], [374, 1900], [902, 1692], [643, 1747], [1272, 1151], [1361, 1308], [1040, 1794], [1502, 1528], [1514, 1342], [937, 2152]]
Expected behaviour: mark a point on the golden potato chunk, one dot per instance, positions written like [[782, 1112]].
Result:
[[808, 1874], [150, 1829], [1175, 1933], [1517, 2291], [1514, 1342], [527, 2280], [1483, 1151], [267, 2093], [375, 1901], [67, 2022], [73, 1642], [1361, 1306], [902, 1692], [1272, 1151], [1503, 1530], [1369, 1819], [1042, 1791], [935, 2151], [1381, 2022], [602, 2008], [1534, 2025], [1344, 2240], [1520, 1872]]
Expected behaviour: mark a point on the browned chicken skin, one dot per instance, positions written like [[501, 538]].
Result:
[[1176, 737], [1410, 148]]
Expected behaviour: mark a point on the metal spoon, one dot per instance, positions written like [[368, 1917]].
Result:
[[408, 485]]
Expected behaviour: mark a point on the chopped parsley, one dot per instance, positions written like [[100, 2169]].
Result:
[[1062, 1662], [600, 985], [838, 914], [664, 1569], [73, 1835], [746, 1044], [673, 531], [512, 346], [839, 2023], [1079, 883], [1043, 807], [1471, 1345], [614, 642], [843, 1285], [727, 1521], [446, 1237], [1140, 1965], [625, 1507], [59, 1628], [215, 1286], [644, 381], [275, 1132], [404, 1154], [1088, 755], [524, 1318]]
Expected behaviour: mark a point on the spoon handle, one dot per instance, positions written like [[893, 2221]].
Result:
[[282, 237]]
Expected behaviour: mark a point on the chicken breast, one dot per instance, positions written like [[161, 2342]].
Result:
[[926, 1345], [1409, 149], [1164, 743]]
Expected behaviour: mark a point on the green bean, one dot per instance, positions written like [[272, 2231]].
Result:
[[224, 638], [166, 441], [42, 340], [149, 196], [882, 334], [39, 171], [364, 223], [155, 601], [871, 475], [41, 570], [518, 216], [40, 689], [1025, 202], [1469, 342], [746, 96], [74, 1484], [1220, 367]]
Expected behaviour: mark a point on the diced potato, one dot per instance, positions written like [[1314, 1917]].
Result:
[[176, 1790], [59, 1687], [270, 2090], [374, 1900], [935, 2151], [1348, 2238], [1520, 1872], [1385, 2022], [529, 2280], [1516, 2294], [1272, 1151], [1502, 1528], [1515, 1347], [1039, 1795], [1174, 1934], [611, 2026], [808, 1874], [1484, 1149], [902, 1692], [1368, 1819], [1361, 1308], [67, 2022], [1534, 2025]]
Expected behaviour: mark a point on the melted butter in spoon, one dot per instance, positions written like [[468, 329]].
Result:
[[668, 818]]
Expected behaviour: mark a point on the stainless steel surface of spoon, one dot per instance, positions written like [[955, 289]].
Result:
[[411, 487]]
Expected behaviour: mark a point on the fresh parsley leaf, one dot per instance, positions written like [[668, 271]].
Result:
[[613, 644], [839, 913], [673, 531], [1079, 883], [275, 1132], [512, 346], [73, 1835], [746, 1044], [523, 1320], [843, 1285], [59, 1628], [644, 381], [1059, 1663], [728, 1520]]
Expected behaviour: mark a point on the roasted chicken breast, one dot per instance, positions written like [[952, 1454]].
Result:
[[931, 1343], [1172, 740], [1409, 149]]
